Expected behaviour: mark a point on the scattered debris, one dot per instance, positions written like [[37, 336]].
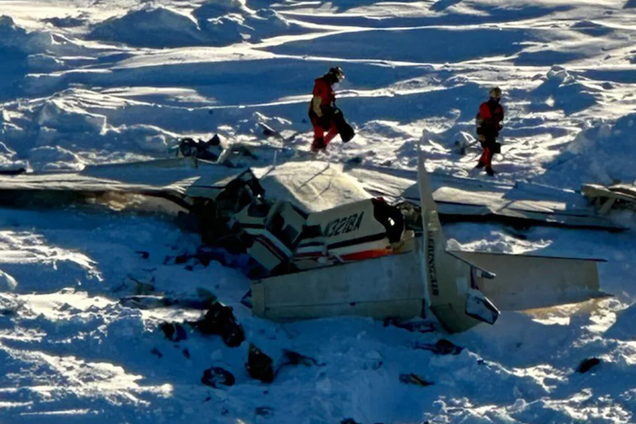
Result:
[[207, 150], [270, 132], [587, 364], [264, 411], [461, 147], [441, 347], [207, 254], [220, 320], [415, 379], [143, 288], [181, 259], [615, 197], [173, 331], [354, 160], [186, 353], [231, 157], [156, 352], [412, 326], [206, 295], [295, 358], [216, 376], [260, 366], [143, 254], [154, 302]]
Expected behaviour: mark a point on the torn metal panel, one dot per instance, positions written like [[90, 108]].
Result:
[[605, 199]]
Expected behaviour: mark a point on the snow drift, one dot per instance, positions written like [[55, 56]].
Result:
[[214, 24], [150, 27], [604, 153]]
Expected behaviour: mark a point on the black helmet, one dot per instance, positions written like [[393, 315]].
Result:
[[337, 73]]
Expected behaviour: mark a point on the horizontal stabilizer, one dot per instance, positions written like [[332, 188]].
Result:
[[484, 273], [529, 282]]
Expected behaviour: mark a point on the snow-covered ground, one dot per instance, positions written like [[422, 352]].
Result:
[[84, 82]]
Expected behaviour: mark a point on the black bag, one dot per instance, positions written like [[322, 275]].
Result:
[[259, 365], [220, 320], [344, 129]]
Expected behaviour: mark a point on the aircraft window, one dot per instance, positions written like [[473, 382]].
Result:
[[289, 235], [285, 233], [311, 231], [391, 218], [276, 224], [258, 210]]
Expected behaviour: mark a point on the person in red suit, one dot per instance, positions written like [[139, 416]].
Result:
[[489, 123], [322, 107]]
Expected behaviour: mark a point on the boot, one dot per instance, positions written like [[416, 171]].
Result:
[[318, 145], [490, 171]]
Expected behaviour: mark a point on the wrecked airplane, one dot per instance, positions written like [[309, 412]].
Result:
[[406, 275], [339, 240]]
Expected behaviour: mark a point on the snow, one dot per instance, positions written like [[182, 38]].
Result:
[[84, 83], [146, 27], [611, 144]]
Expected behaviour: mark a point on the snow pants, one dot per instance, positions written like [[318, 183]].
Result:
[[490, 147], [320, 139]]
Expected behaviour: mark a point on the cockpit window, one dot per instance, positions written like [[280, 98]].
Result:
[[258, 210], [391, 218]]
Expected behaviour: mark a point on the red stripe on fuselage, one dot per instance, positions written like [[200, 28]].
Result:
[[271, 247]]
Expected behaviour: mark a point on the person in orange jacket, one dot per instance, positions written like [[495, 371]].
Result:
[[489, 123], [322, 108]]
